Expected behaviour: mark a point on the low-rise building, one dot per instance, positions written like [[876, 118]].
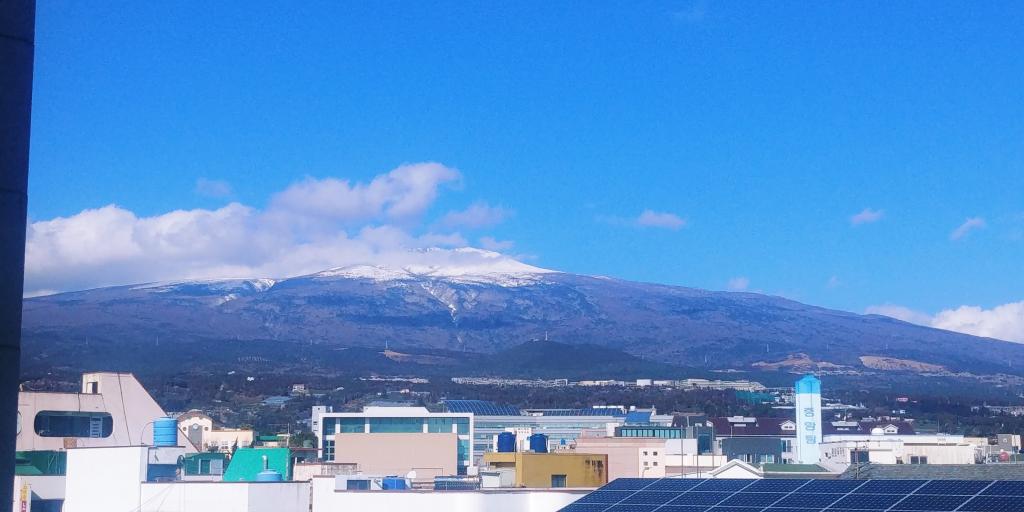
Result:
[[839, 452], [200, 430], [112, 409], [425, 455], [628, 457], [364, 427], [551, 470]]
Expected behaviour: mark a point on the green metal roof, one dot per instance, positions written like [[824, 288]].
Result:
[[246, 463], [42, 462]]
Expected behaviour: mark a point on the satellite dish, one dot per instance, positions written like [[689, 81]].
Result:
[[411, 475]]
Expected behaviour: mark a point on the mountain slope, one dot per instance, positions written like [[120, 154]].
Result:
[[495, 306]]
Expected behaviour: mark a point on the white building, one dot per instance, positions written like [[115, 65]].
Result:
[[838, 452], [112, 409]]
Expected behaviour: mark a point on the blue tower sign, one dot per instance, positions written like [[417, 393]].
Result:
[[808, 420]]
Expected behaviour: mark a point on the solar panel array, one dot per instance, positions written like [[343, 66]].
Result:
[[481, 408], [592, 411], [785, 495]]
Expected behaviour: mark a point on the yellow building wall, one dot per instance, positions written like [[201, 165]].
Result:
[[534, 470]]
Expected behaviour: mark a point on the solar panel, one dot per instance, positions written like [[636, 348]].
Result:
[[969, 487], [604, 495], [773, 485], [1005, 488], [628, 484], [481, 408], [752, 499], [994, 504], [784, 495], [869, 501], [651, 497], [832, 486], [930, 503], [724, 484], [632, 508], [700, 498], [805, 500], [673, 484], [585, 507], [889, 486]]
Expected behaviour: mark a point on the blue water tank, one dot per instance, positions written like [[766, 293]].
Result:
[[268, 475], [165, 432], [539, 443], [506, 442], [393, 483]]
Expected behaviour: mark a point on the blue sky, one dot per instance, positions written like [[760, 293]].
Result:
[[765, 128]]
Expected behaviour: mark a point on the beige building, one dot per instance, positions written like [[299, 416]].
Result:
[[199, 429], [428, 454], [112, 409], [628, 457]]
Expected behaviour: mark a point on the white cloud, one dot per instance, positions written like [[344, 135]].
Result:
[[492, 244], [969, 225], [738, 284], [1005, 322], [651, 218], [477, 215], [867, 216], [310, 226], [213, 188], [833, 282], [403, 193]]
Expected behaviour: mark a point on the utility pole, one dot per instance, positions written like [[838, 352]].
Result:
[[17, 51]]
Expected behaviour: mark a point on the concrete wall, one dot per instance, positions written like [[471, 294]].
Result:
[[326, 499], [429, 455], [225, 497], [625, 455], [105, 479]]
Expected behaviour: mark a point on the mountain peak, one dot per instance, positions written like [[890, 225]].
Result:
[[465, 264]]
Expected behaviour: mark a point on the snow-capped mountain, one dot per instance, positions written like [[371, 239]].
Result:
[[468, 265], [480, 301]]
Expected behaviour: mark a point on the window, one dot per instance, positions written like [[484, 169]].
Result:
[[557, 481], [74, 424], [396, 425], [645, 454], [655, 463], [350, 425], [655, 453], [918, 459], [358, 485], [859, 457], [439, 425], [462, 426]]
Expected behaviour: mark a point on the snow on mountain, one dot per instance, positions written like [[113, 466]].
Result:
[[463, 265], [228, 285]]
